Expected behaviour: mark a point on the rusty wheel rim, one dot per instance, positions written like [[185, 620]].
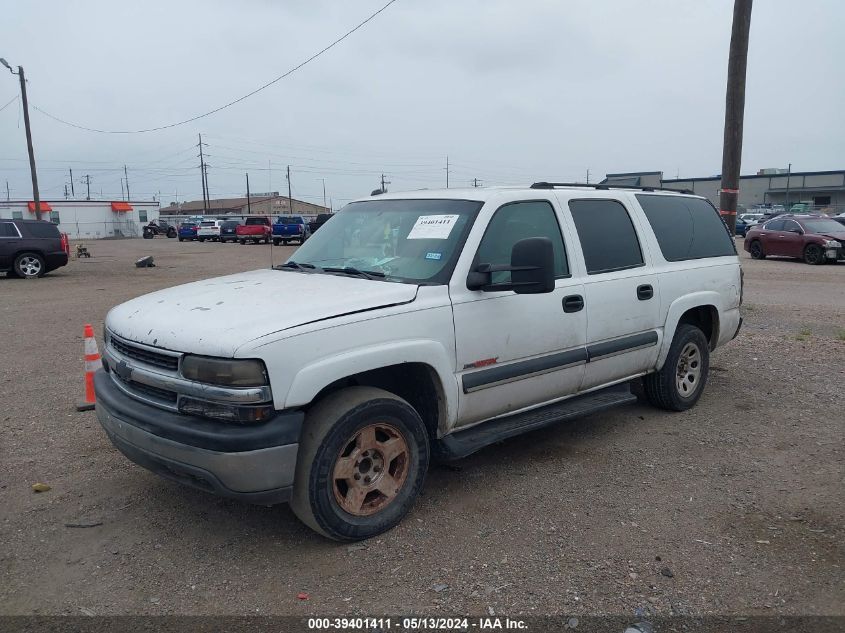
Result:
[[370, 469]]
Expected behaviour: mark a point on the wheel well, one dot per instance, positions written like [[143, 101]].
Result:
[[706, 319], [34, 251], [417, 383]]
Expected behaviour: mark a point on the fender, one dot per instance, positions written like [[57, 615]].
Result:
[[677, 309], [312, 378]]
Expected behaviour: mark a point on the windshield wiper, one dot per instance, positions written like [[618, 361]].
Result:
[[296, 266], [349, 270]]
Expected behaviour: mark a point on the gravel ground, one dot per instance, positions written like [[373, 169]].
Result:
[[734, 507]]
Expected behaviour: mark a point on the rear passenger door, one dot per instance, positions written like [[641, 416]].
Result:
[[770, 237], [620, 292], [9, 241]]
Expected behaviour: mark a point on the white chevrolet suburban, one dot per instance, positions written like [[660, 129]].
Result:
[[418, 326]]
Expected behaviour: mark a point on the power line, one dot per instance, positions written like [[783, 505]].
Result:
[[15, 98], [231, 103]]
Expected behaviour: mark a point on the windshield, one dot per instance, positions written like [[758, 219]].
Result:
[[406, 240], [822, 226]]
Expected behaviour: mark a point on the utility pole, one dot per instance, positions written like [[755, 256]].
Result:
[[475, 182], [248, 203], [88, 184], [324, 192], [447, 171], [290, 199], [588, 175], [122, 194], [72, 192], [65, 191], [734, 112], [383, 184], [202, 175], [8, 195], [788, 174], [125, 173], [35, 196]]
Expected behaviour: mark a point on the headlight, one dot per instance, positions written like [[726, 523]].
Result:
[[832, 244], [224, 372]]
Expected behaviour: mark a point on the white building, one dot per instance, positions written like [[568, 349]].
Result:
[[87, 219]]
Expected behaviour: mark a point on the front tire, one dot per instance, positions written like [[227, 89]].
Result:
[[29, 266], [813, 255], [756, 250], [363, 458], [680, 382]]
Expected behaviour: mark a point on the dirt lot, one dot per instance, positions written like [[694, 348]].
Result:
[[735, 507]]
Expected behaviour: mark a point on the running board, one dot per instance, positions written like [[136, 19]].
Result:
[[462, 443]]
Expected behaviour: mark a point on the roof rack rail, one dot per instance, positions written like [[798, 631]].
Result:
[[604, 186]]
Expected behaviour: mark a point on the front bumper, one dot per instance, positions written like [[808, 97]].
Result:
[[253, 463]]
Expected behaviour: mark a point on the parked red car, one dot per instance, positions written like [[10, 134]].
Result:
[[254, 229], [814, 238]]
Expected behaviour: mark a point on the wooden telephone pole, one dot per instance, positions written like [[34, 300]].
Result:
[[734, 112]]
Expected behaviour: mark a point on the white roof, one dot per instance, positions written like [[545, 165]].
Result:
[[482, 194]]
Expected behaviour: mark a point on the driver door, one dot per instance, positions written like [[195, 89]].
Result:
[[515, 351]]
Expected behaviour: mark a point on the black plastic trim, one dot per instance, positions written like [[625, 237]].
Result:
[[599, 350], [196, 477], [521, 369], [283, 429]]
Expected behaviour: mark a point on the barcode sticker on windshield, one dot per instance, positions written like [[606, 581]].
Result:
[[433, 227]]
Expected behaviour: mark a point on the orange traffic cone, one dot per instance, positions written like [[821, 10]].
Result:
[[92, 364]]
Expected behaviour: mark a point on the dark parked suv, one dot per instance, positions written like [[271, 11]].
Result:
[[31, 248]]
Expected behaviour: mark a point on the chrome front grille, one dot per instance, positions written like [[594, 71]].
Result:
[[144, 354]]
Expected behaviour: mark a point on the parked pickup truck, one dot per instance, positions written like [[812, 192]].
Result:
[[290, 227], [321, 219], [426, 326], [254, 229]]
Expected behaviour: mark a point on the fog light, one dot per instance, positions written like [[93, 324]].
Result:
[[227, 412]]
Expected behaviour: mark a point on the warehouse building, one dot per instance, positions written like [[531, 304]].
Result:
[[257, 204], [824, 191], [87, 219]]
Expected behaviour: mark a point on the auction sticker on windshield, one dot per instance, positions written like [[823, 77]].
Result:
[[433, 227]]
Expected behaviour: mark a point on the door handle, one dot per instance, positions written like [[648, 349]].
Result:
[[573, 303], [645, 292]]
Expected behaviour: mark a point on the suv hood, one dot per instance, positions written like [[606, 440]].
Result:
[[216, 316]]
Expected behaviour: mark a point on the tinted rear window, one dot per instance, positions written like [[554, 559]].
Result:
[[230, 225], [774, 225], [7, 229], [607, 235], [208, 223], [252, 221], [686, 228], [290, 220], [42, 229]]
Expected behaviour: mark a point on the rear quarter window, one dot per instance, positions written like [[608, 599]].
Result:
[[608, 238], [686, 228], [41, 229]]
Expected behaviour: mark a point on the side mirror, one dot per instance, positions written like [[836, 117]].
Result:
[[531, 268]]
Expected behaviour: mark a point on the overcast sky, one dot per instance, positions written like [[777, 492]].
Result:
[[512, 91]]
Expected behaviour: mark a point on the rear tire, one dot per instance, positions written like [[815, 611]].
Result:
[[275, 242], [756, 250], [363, 458], [814, 255], [681, 381], [29, 266]]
